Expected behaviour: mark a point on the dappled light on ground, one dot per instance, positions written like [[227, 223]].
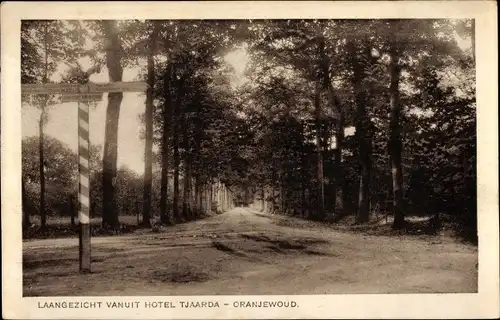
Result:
[[240, 251]]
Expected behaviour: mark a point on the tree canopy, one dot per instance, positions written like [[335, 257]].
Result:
[[334, 118]]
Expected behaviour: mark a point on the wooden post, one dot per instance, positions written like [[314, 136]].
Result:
[[83, 186]]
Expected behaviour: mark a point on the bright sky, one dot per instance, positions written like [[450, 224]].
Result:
[[62, 123]]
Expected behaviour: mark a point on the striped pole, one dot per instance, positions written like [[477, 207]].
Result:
[[83, 186]]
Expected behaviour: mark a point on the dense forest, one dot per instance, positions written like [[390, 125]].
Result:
[[337, 120]]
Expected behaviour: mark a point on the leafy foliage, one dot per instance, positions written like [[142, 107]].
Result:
[[310, 124]]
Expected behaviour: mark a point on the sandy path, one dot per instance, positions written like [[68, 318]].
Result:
[[247, 252]]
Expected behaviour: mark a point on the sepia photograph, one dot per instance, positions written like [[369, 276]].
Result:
[[227, 157], [263, 151]]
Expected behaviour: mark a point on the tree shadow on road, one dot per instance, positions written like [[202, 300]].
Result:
[[282, 246], [297, 243], [263, 216], [222, 247], [39, 264], [180, 276]]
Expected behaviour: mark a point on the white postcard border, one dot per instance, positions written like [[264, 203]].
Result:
[[485, 303]]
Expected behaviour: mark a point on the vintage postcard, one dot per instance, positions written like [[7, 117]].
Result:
[[249, 160]]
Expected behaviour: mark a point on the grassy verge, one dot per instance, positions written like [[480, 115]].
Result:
[[415, 226], [60, 227]]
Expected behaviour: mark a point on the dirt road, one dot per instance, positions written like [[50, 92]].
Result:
[[248, 252]]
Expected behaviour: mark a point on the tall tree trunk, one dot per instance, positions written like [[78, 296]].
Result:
[[363, 136], [196, 158], [203, 193], [263, 201], [148, 151], [211, 194], [339, 191], [186, 198], [175, 142], [273, 200], [224, 197], [217, 195], [283, 204], [220, 208], [208, 205], [26, 215], [165, 147], [303, 176], [335, 104], [115, 72], [473, 39], [395, 144], [43, 215], [202, 198], [325, 137], [209, 197], [268, 192], [197, 206], [339, 185], [192, 199], [363, 213], [320, 205]]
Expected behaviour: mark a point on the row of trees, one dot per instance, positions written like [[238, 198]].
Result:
[[61, 185], [404, 87], [116, 45]]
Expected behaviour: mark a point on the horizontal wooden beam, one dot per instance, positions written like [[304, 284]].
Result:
[[75, 88]]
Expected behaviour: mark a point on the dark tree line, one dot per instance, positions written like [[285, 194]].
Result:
[[356, 74], [338, 117]]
